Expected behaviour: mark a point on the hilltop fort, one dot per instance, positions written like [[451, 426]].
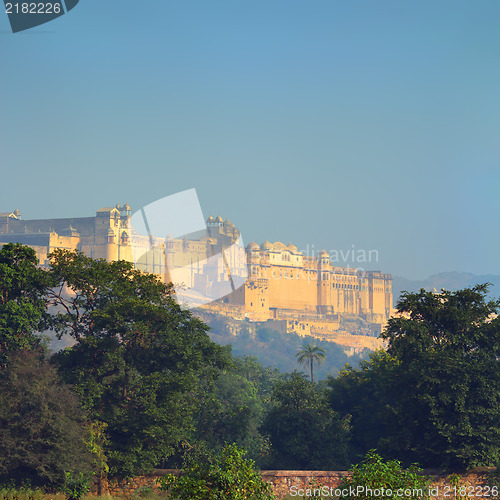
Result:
[[282, 287]]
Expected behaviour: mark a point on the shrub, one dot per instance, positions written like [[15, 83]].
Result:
[[388, 477], [227, 476]]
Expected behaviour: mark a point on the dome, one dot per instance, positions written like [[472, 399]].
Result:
[[279, 246], [253, 246], [266, 246], [292, 247], [126, 206], [210, 219], [324, 253], [219, 219]]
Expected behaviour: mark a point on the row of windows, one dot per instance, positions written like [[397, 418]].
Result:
[[337, 282]]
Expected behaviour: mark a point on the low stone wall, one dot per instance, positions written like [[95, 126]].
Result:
[[282, 481], [477, 483]]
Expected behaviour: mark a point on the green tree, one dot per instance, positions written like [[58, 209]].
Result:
[[388, 478], [448, 347], [310, 354], [305, 432], [232, 413], [262, 377], [226, 476], [138, 361], [41, 424], [367, 395], [22, 299]]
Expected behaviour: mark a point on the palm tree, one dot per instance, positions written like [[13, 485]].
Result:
[[309, 354]]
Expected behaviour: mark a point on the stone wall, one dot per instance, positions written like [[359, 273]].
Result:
[[285, 482]]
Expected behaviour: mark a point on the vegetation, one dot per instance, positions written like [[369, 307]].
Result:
[[304, 430], [434, 397], [22, 299], [138, 362], [143, 386], [449, 387], [41, 424], [366, 395], [23, 492], [226, 476], [278, 350], [310, 354], [387, 477]]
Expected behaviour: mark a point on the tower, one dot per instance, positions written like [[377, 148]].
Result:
[[324, 283]]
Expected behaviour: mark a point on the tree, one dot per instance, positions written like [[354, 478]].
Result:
[[367, 396], [227, 476], [41, 424], [139, 360], [22, 299], [232, 413], [448, 348], [305, 432], [309, 354]]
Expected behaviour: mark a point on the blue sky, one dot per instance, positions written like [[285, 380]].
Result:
[[323, 122]]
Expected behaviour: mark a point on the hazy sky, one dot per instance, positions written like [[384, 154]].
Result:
[[330, 123]]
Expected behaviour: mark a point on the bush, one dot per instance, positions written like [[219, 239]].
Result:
[[77, 485], [227, 476], [387, 477]]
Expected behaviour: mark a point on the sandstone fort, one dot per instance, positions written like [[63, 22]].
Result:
[[271, 283]]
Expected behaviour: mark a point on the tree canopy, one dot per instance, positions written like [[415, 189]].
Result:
[[434, 397], [42, 434], [23, 287], [138, 358], [448, 344], [305, 433]]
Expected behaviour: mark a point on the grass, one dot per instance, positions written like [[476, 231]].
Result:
[[8, 492]]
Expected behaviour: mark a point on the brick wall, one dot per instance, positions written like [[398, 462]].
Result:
[[282, 482]]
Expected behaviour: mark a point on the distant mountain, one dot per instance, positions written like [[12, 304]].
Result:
[[449, 281]]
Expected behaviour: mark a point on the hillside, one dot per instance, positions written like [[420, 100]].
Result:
[[449, 281], [278, 350]]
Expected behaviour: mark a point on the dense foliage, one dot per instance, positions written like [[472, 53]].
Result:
[[42, 434], [138, 358], [226, 475], [449, 347], [22, 299], [306, 434], [386, 480], [434, 397], [143, 386], [367, 395]]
